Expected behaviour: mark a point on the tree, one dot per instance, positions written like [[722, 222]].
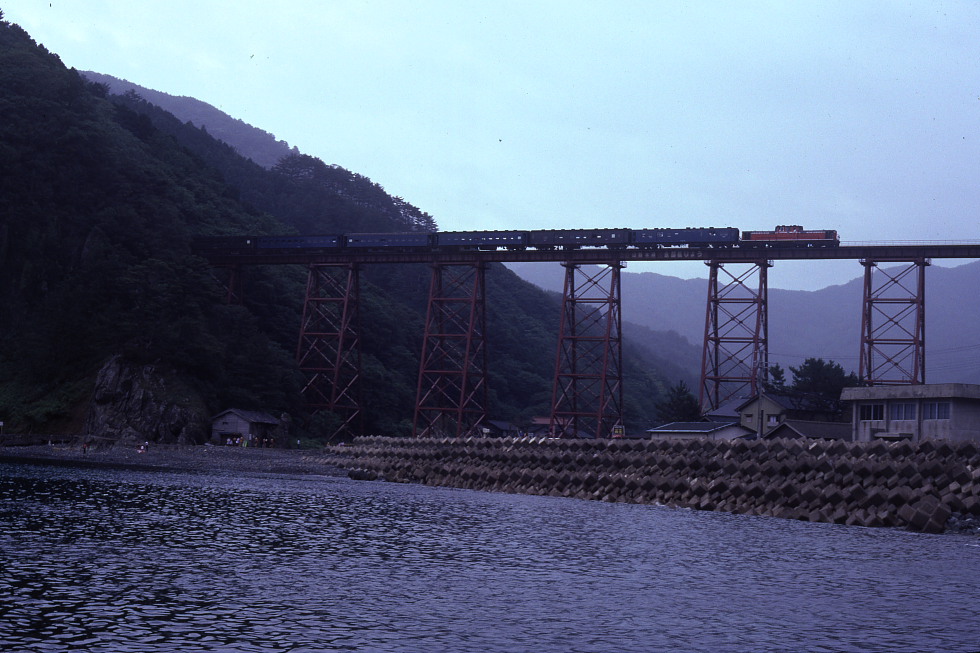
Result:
[[822, 382], [680, 405], [777, 379], [820, 376]]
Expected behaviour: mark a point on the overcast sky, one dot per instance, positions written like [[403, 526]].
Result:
[[858, 116]]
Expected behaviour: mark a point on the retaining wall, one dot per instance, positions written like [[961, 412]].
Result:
[[914, 485]]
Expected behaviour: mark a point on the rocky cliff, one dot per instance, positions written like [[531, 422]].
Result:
[[135, 403]]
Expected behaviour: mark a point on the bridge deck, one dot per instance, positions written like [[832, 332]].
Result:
[[877, 252]]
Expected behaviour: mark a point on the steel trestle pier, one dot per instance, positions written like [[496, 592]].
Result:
[[736, 334], [587, 396], [232, 282], [451, 399], [329, 352], [893, 324]]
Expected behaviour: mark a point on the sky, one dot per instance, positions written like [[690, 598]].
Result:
[[862, 117]]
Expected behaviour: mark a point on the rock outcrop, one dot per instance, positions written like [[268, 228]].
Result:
[[133, 403]]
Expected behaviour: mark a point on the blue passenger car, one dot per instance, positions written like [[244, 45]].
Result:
[[687, 237], [407, 239], [575, 238], [482, 240], [294, 242], [714, 237]]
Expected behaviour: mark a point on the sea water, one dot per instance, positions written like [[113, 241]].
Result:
[[122, 560]]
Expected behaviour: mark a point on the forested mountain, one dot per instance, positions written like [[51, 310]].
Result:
[[97, 210], [260, 146], [320, 198], [100, 198]]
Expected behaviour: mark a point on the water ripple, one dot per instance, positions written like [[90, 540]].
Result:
[[100, 560]]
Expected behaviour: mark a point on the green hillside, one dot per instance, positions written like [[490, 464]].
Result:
[[97, 210], [100, 198], [258, 145]]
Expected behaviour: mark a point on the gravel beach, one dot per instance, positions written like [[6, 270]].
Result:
[[173, 457]]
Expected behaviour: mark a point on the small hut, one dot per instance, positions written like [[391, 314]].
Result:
[[244, 427]]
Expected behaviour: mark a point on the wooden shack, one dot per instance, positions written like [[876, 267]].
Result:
[[244, 427]]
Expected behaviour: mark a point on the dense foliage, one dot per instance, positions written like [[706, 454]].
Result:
[[820, 382], [258, 145], [680, 405], [100, 199], [97, 210]]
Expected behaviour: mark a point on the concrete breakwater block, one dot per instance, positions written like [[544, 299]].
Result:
[[917, 485], [927, 515]]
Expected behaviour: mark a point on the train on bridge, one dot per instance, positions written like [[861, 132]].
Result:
[[545, 239]]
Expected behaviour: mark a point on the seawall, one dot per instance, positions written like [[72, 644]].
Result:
[[923, 486]]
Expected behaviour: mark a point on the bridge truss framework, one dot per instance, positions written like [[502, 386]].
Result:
[[451, 397], [893, 324], [329, 349], [735, 358], [587, 394]]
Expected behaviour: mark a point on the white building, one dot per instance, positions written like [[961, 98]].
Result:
[[943, 411]]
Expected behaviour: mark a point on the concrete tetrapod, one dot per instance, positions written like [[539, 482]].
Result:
[[919, 485]]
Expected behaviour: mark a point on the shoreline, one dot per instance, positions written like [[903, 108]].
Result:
[[878, 485], [928, 486], [197, 458]]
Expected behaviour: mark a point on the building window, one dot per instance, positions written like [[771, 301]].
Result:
[[772, 419], [871, 412], [935, 410], [901, 411], [748, 417]]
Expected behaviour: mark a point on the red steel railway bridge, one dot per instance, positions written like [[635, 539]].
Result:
[[451, 396]]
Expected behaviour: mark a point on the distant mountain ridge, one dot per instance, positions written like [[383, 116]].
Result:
[[824, 323], [251, 142], [346, 200]]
